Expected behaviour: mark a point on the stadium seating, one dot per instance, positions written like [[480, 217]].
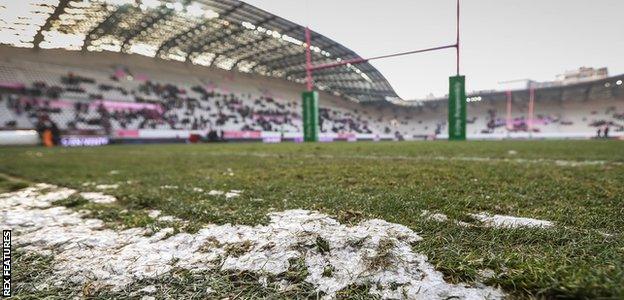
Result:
[[91, 93]]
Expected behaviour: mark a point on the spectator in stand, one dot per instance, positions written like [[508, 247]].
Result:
[[49, 132], [213, 136]]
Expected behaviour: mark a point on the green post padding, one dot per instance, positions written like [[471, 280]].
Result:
[[310, 116], [457, 108]]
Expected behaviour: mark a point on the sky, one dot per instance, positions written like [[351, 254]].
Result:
[[502, 40]]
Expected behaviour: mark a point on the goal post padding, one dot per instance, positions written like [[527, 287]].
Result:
[[310, 116], [457, 108]]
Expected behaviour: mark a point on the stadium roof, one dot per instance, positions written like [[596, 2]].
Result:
[[228, 34], [601, 89]]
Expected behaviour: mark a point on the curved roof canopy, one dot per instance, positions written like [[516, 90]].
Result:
[[227, 34]]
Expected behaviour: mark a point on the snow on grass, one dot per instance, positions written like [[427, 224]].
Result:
[[215, 193], [228, 195], [232, 194], [168, 219], [33, 196], [501, 221], [150, 289], [107, 186], [334, 255], [98, 197], [438, 217], [158, 216], [487, 220], [169, 187], [154, 213]]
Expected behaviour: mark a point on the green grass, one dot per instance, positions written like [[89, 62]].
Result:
[[391, 181], [11, 184]]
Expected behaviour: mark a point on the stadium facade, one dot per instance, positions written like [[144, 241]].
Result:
[[127, 71]]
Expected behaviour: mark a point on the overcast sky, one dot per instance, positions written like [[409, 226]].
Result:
[[501, 39]]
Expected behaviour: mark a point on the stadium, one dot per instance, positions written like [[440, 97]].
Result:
[[158, 149]]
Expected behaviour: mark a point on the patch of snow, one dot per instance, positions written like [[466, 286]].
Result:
[[486, 274], [150, 289], [106, 186], [168, 219], [512, 152], [215, 193], [438, 217], [113, 172], [463, 224], [98, 197], [500, 221], [572, 163], [372, 251], [232, 194], [38, 195], [228, 195], [154, 213], [198, 190], [169, 187]]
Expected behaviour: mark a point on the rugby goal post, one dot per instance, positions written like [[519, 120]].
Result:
[[456, 101]]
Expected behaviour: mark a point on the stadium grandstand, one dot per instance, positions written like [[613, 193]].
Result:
[[165, 71]]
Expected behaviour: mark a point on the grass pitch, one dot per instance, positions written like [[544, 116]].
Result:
[[579, 185]]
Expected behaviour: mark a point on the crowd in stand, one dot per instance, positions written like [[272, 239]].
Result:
[[179, 110], [201, 109]]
